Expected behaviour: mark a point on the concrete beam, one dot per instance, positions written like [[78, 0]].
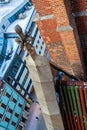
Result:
[[39, 18]]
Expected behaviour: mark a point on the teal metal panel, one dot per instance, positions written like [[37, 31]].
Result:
[[4, 123], [2, 110], [8, 114], [8, 89], [11, 127], [4, 100]]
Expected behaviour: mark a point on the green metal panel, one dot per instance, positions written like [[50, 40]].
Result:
[[63, 99], [70, 99], [66, 99], [74, 101], [85, 123], [78, 100]]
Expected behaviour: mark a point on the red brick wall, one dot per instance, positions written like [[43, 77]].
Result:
[[79, 5], [81, 21], [82, 24], [64, 46], [48, 30], [53, 41], [43, 7]]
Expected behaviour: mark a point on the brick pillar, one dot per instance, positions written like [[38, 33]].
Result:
[[79, 9], [59, 31], [47, 25], [68, 32], [41, 75]]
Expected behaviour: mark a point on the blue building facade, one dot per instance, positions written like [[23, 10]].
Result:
[[15, 81], [13, 108], [13, 67]]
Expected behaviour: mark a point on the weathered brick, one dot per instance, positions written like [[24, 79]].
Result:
[[48, 30], [68, 53]]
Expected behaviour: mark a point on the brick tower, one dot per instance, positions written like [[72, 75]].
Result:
[[63, 27]]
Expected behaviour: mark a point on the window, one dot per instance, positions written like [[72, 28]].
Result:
[[9, 79], [3, 105], [38, 41], [20, 105], [39, 36], [7, 119], [10, 110], [3, 26], [15, 68], [8, 95], [13, 123], [36, 46], [17, 64], [41, 47], [26, 108], [39, 52], [25, 78], [23, 120], [16, 114], [20, 127], [13, 72], [1, 115], [21, 71], [15, 85], [42, 43], [14, 100]]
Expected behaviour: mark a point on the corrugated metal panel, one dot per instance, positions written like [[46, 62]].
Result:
[[74, 98]]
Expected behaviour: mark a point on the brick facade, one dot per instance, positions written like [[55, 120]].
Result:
[[60, 32]]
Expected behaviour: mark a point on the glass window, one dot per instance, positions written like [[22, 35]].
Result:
[[39, 36], [3, 26], [13, 123], [23, 120], [13, 72], [20, 127], [26, 108], [36, 46], [39, 52], [10, 110], [17, 64], [25, 78], [41, 47], [9, 79], [42, 43], [21, 71], [7, 119], [3, 105], [20, 105], [38, 41], [16, 114], [1, 115], [14, 100], [8, 95]]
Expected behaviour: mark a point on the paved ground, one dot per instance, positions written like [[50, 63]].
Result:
[[35, 120]]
